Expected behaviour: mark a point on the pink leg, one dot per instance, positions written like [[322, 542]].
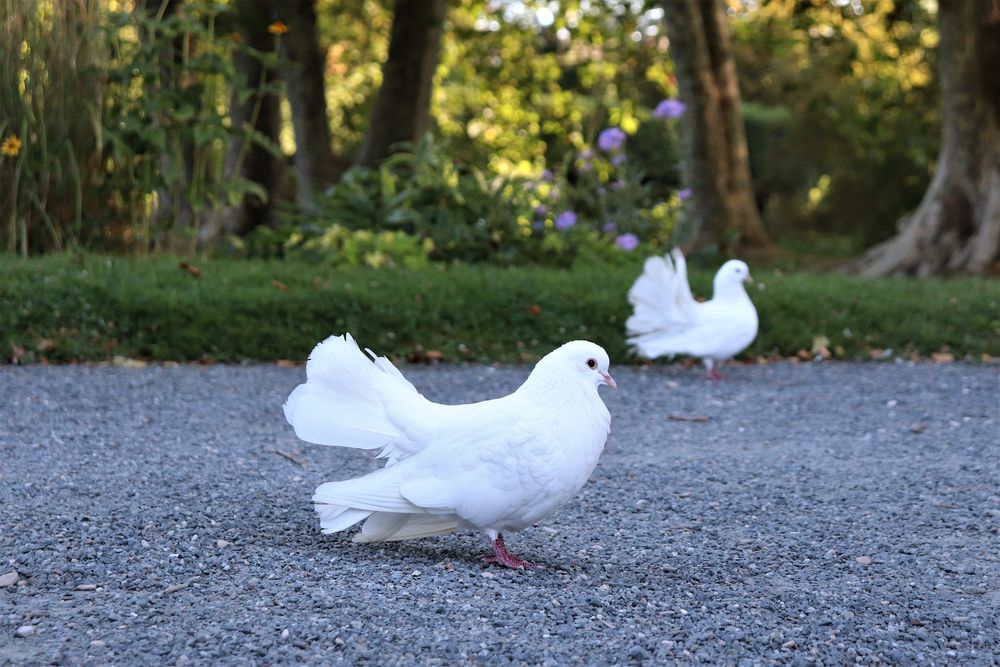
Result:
[[503, 557], [713, 376]]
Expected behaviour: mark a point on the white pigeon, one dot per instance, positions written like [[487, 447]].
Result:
[[496, 466], [668, 321]]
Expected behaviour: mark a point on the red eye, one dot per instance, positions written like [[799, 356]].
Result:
[[591, 363]]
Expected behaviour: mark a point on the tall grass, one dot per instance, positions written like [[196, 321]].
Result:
[[116, 122], [51, 96]]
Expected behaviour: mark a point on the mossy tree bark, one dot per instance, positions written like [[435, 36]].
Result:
[[716, 164], [402, 107], [957, 225]]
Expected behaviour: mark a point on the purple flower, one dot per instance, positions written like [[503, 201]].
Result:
[[611, 139], [684, 194], [618, 160], [669, 109], [627, 242], [565, 220], [586, 154], [541, 210], [610, 227], [548, 176], [538, 225], [618, 184]]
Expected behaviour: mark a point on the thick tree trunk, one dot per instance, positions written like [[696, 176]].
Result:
[[315, 164], [957, 225], [402, 108], [716, 165]]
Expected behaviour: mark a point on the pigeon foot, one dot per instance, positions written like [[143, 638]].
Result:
[[713, 376], [503, 557]]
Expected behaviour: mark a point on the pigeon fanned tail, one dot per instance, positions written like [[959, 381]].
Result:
[[661, 297], [344, 400]]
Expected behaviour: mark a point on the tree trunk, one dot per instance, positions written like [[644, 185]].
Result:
[[315, 164], [957, 225], [253, 162], [716, 165], [402, 108]]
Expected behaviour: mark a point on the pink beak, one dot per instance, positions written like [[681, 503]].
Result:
[[748, 279], [608, 380]]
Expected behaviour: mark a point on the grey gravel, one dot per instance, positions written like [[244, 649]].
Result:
[[152, 521]]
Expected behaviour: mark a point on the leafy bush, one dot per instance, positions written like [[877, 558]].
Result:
[[458, 213]]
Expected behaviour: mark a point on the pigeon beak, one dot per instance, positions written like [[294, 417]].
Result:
[[748, 279], [608, 380]]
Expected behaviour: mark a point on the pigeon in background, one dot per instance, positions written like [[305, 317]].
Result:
[[495, 466], [667, 320]]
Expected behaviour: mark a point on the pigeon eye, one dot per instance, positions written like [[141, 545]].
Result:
[[591, 363]]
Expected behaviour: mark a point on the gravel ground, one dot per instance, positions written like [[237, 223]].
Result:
[[822, 513]]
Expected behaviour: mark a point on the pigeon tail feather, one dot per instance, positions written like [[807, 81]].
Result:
[[343, 401], [661, 296]]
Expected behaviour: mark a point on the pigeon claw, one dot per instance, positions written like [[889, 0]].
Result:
[[501, 556], [713, 376]]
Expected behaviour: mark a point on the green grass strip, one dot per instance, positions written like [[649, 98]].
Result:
[[63, 308]]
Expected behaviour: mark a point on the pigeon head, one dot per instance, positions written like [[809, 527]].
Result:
[[581, 360], [731, 276]]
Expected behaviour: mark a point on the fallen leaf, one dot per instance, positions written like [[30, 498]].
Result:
[[190, 268], [17, 353], [803, 355], [125, 362], [821, 346], [434, 355], [534, 309], [285, 363], [295, 457], [278, 285], [942, 357], [44, 344], [687, 418]]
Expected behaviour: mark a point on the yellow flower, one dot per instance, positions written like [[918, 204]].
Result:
[[11, 146], [277, 28]]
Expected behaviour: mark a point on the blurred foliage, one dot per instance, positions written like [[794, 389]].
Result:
[[122, 114], [115, 110], [459, 213], [843, 115]]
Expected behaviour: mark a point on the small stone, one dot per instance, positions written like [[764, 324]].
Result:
[[637, 653], [789, 645], [864, 560], [284, 633], [25, 631], [87, 587], [97, 643], [8, 579], [222, 544], [338, 641]]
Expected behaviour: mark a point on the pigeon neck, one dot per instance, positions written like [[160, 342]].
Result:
[[728, 289]]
